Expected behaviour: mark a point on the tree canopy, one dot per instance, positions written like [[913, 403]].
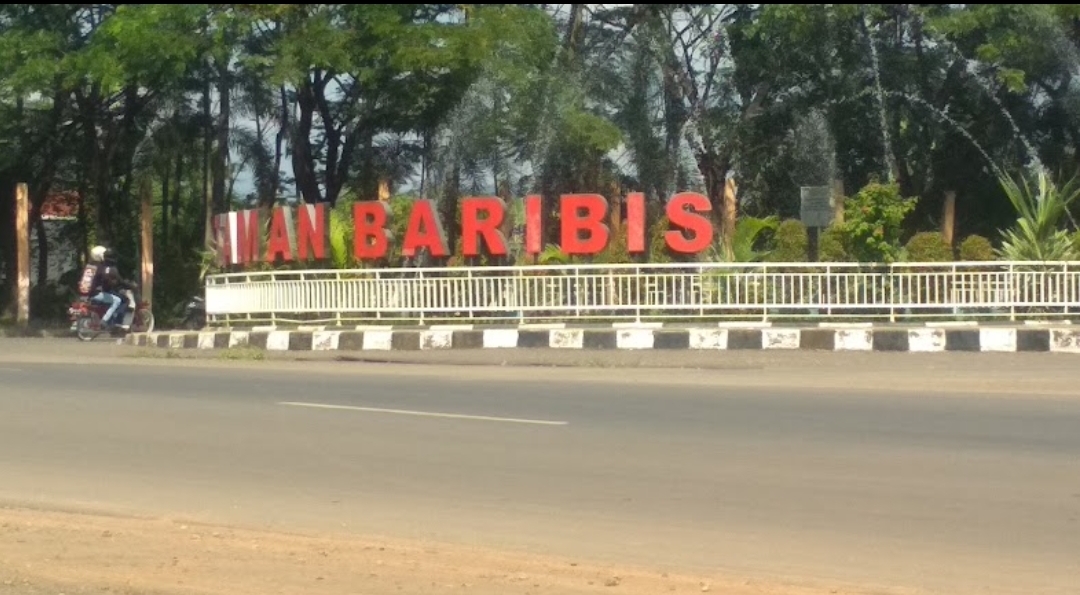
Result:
[[225, 106]]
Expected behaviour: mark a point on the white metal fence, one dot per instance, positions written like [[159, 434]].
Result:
[[908, 291]]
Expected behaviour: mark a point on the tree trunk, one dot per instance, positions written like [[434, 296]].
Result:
[[7, 248], [307, 183], [279, 141], [84, 216], [177, 197], [675, 117], [208, 131], [369, 179], [714, 170], [165, 176], [948, 219], [221, 155], [97, 178], [449, 204], [574, 33], [729, 216]]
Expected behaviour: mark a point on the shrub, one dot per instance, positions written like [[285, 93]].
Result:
[[341, 236], [658, 251], [873, 222], [976, 248], [553, 255], [751, 241], [458, 257], [791, 242], [1041, 208], [831, 246], [928, 246], [616, 251]]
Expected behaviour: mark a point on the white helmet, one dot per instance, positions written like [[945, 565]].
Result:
[[97, 253]]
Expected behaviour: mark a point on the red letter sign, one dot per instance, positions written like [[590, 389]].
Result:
[[278, 243], [472, 226], [312, 231], [424, 230], [534, 230], [371, 239], [689, 221], [573, 223], [247, 236], [635, 222]]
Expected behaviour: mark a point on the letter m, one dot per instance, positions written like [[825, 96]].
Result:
[[248, 236]]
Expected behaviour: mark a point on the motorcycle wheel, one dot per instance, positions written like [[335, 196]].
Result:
[[194, 322], [87, 327], [143, 321]]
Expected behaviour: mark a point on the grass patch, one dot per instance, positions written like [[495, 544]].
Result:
[[242, 354], [157, 353], [230, 354]]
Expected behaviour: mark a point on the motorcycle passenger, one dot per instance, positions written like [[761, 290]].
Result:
[[106, 286]]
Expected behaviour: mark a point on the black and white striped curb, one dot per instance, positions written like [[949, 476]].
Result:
[[689, 324], [916, 339]]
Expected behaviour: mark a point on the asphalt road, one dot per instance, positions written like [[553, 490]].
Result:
[[951, 493]]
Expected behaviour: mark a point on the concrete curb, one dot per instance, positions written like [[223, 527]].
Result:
[[917, 339], [689, 324]]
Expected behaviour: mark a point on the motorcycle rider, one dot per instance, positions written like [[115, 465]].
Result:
[[102, 280]]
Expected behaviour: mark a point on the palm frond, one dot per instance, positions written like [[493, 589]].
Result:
[[1041, 207]]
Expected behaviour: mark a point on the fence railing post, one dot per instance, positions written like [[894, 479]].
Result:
[[634, 292]]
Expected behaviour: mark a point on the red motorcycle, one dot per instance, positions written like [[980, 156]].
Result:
[[86, 315]]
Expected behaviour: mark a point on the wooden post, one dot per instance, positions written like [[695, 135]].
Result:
[[22, 251], [731, 189], [619, 206], [615, 214], [384, 189], [948, 219], [147, 221], [838, 202]]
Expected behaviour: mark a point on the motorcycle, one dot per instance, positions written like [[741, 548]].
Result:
[[86, 315], [195, 314]]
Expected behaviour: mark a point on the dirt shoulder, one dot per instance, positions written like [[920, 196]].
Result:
[[77, 553]]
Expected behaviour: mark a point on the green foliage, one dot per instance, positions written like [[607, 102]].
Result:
[[458, 258], [658, 250], [341, 236], [790, 242], [591, 131], [832, 246], [1012, 37], [1041, 207], [400, 208], [477, 99], [873, 222], [928, 246], [752, 235], [553, 255], [976, 248], [616, 252]]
